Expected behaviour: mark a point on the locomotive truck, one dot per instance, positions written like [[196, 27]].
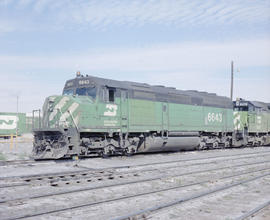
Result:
[[96, 116]]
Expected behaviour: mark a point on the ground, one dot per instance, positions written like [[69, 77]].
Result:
[[214, 184]]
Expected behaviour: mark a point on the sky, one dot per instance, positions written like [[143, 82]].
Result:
[[187, 44]]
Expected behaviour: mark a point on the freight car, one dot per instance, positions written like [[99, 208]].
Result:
[[96, 116], [252, 123], [16, 123], [12, 123]]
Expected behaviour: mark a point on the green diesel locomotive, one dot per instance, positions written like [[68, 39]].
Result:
[[251, 123], [96, 116]]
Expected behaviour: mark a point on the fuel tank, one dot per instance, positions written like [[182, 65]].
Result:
[[155, 144]]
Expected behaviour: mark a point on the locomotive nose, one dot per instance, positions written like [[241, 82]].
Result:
[[59, 111]]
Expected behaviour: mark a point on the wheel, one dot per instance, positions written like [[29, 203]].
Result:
[[108, 151], [227, 144], [130, 150]]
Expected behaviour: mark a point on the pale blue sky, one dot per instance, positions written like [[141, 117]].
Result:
[[182, 43]]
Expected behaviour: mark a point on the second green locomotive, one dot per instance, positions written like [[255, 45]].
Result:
[[251, 123]]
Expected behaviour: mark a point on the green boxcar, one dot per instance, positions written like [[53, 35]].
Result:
[[12, 123], [101, 116], [9, 122]]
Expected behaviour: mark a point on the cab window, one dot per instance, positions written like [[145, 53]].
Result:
[[108, 94], [241, 108], [111, 95], [68, 92], [87, 91]]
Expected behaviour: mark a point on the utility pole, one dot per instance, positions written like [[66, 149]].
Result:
[[232, 80], [17, 119]]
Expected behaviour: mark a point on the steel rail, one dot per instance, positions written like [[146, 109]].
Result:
[[155, 208], [253, 211], [7, 162], [24, 162], [127, 182]]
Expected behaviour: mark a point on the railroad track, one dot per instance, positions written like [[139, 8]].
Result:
[[143, 213], [160, 173], [122, 177], [35, 162], [128, 176], [90, 175], [160, 206], [59, 174], [252, 212]]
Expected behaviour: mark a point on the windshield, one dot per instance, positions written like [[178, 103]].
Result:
[[68, 92], [90, 91], [241, 108]]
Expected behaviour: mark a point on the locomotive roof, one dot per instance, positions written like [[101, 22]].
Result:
[[261, 105], [199, 98]]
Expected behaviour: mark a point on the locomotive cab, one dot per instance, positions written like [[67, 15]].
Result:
[[59, 133], [70, 120], [85, 88]]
